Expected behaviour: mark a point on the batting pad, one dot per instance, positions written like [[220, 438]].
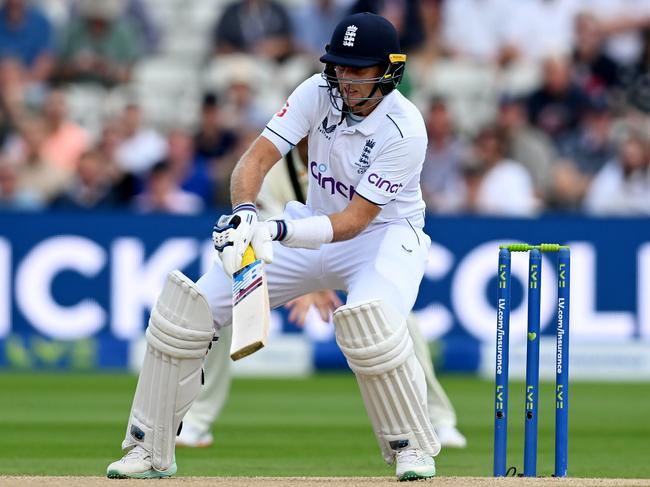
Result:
[[179, 333], [375, 340]]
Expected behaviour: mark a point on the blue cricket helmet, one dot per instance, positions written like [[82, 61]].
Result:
[[362, 40]]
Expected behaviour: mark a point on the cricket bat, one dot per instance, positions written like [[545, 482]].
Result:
[[251, 312]]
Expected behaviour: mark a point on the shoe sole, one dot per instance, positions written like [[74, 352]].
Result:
[[149, 474], [411, 475]]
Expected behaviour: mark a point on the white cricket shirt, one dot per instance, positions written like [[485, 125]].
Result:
[[380, 158]]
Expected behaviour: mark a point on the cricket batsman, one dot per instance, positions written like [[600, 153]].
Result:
[[360, 231], [288, 181]]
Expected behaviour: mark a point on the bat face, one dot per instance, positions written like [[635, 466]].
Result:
[[251, 310]]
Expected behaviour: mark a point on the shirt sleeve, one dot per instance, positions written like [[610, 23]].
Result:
[[393, 168], [293, 122]]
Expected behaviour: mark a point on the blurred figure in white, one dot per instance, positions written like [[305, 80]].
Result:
[[141, 146], [622, 22], [537, 29], [473, 29], [495, 185], [622, 187]]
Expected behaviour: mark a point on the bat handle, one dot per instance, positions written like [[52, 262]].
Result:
[[249, 256]]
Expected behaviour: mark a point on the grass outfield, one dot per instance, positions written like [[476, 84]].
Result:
[[55, 424]]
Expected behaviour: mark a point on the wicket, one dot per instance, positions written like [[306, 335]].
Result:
[[532, 358]]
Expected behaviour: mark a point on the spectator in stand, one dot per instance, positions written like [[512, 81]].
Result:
[[124, 185], [191, 172], [441, 178], [591, 146], [163, 195], [556, 107], [217, 145], [405, 15], [26, 43], [141, 146], [257, 27], [99, 46], [472, 29], [91, 187], [527, 144], [136, 13], [622, 22], [583, 154], [241, 113], [536, 29], [594, 70], [12, 196], [65, 140], [641, 69], [432, 45], [212, 140], [622, 187], [495, 185], [35, 172], [314, 23]]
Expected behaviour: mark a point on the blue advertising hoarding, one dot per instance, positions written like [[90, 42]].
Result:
[[75, 289]]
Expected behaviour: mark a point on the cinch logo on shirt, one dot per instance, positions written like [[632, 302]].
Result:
[[381, 183], [328, 182]]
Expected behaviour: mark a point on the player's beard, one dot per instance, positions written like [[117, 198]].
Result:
[[358, 102]]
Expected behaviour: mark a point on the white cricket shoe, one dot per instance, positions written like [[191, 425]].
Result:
[[414, 464], [192, 437], [450, 437], [136, 464]]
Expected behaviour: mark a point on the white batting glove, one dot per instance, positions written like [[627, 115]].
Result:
[[232, 234], [261, 242]]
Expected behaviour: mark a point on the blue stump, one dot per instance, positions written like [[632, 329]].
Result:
[[532, 363], [502, 351]]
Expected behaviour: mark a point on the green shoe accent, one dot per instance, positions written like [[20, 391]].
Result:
[[149, 474], [411, 475]]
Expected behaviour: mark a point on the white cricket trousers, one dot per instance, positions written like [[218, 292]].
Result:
[[385, 262]]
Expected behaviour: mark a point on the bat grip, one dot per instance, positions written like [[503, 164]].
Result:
[[249, 256]]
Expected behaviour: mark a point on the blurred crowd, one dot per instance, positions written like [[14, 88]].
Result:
[[146, 105]]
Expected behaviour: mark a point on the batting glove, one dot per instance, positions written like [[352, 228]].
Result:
[[232, 234]]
